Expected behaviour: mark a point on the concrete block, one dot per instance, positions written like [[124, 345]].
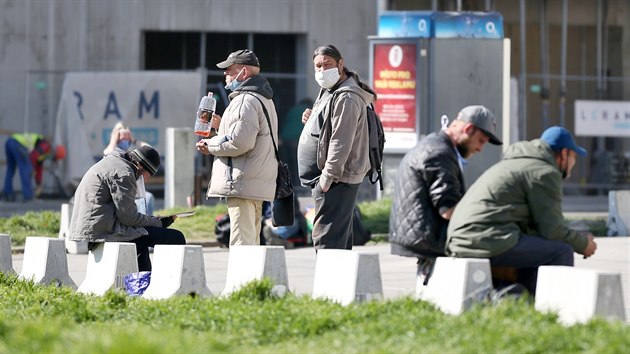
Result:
[[64, 220], [73, 247], [619, 213], [107, 264], [457, 283], [45, 262], [249, 263], [177, 270], [577, 295], [179, 169], [346, 276], [6, 260]]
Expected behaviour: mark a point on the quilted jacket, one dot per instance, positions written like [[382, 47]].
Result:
[[429, 182]]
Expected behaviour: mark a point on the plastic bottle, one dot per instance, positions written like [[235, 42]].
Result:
[[207, 106]]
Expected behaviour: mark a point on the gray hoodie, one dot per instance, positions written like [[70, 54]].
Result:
[[341, 150]]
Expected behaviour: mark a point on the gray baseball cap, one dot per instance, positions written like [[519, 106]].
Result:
[[243, 56], [482, 118]]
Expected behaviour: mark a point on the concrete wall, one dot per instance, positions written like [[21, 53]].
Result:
[[105, 35]]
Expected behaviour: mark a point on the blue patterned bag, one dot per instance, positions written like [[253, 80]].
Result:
[[137, 283]]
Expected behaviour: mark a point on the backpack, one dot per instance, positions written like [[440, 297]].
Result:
[[376, 138], [377, 144], [222, 230]]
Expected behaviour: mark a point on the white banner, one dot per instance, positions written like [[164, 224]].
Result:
[[602, 118], [148, 102]]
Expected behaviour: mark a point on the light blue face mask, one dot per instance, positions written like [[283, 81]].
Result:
[[234, 84], [124, 145]]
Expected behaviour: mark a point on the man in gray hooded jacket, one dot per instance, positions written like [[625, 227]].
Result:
[[105, 208], [333, 148], [246, 167]]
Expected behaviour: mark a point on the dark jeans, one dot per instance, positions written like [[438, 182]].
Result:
[[332, 226], [531, 252], [156, 236], [17, 156]]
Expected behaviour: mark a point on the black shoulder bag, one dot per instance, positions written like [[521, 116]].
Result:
[[283, 207]]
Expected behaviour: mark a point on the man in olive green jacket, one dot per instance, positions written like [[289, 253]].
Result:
[[512, 214]]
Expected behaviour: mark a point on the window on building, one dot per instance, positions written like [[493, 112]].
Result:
[[186, 50]]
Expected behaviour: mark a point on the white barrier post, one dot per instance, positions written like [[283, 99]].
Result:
[[346, 276], [73, 247], [45, 262], [577, 295], [107, 264], [177, 270], [248, 263], [179, 166], [6, 260], [457, 283], [618, 213]]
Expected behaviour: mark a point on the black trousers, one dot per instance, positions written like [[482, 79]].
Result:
[[531, 252], [332, 226], [156, 236]]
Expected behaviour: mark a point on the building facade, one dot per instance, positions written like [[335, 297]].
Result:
[[41, 40]]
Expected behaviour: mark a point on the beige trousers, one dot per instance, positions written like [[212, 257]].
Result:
[[245, 221]]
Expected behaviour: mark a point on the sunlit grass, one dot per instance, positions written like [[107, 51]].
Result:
[[49, 319]]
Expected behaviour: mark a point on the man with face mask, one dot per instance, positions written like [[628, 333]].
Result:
[[333, 147], [430, 183], [122, 138], [512, 214], [244, 171]]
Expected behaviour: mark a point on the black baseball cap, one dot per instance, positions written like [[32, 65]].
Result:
[[242, 56]]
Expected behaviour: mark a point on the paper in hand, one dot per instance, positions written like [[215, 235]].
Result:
[[182, 214]]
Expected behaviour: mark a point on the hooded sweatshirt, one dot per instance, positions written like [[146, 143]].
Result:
[[334, 144], [522, 194]]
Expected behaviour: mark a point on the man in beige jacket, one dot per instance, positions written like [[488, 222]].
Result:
[[244, 171]]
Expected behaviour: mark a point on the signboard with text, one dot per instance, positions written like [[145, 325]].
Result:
[[146, 101], [394, 80], [602, 118]]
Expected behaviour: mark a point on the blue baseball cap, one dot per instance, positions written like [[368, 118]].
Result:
[[559, 138]]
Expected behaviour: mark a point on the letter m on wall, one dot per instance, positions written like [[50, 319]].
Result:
[[152, 105]]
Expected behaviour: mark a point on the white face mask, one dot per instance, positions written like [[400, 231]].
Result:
[[327, 78]]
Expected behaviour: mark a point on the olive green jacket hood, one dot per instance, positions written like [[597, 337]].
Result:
[[520, 194]]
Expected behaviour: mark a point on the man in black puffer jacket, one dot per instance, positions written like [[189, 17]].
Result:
[[430, 183]]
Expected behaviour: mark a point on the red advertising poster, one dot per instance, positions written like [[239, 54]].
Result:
[[395, 83]]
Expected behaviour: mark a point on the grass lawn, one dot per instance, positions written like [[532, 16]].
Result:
[[40, 319], [45, 319]]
